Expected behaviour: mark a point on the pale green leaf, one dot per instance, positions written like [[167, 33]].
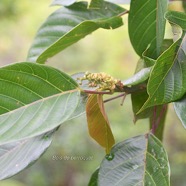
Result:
[[138, 78], [34, 100], [14, 157]]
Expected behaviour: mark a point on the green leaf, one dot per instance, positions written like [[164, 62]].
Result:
[[96, 4], [98, 124], [138, 100], [63, 2], [140, 160], [34, 100], [180, 108], [178, 18], [94, 179], [14, 157], [138, 78], [167, 80], [68, 25], [147, 26]]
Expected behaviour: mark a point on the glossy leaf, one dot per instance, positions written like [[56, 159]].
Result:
[[139, 77], [180, 108], [63, 2], [68, 25], [14, 157], [34, 100], [140, 160], [178, 18], [146, 30], [167, 81], [98, 124]]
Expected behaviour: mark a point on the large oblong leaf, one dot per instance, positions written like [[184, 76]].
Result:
[[98, 124], [34, 100], [167, 80], [147, 26], [14, 157], [141, 160], [70, 24]]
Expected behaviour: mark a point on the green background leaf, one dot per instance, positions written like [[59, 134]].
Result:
[[147, 28], [70, 24], [140, 160]]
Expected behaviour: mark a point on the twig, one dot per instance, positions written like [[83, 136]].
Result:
[[113, 98], [124, 96], [96, 92]]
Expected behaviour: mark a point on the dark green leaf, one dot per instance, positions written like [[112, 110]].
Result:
[[178, 18], [138, 100], [147, 26], [180, 108], [70, 24], [94, 179], [14, 157], [167, 81], [140, 160], [96, 4], [34, 100]]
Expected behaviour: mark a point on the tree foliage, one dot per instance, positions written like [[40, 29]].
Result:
[[36, 99]]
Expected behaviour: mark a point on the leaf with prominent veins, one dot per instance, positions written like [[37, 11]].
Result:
[[167, 81], [34, 100]]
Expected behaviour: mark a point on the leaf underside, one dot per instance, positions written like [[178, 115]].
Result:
[[138, 161], [14, 157], [34, 100]]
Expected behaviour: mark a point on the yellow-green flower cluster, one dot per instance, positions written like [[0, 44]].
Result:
[[101, 80]]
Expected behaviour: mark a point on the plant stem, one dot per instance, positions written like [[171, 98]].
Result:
[[115, 97], [96, 92]]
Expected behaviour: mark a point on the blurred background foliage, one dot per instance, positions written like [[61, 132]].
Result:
[[105, 50]]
